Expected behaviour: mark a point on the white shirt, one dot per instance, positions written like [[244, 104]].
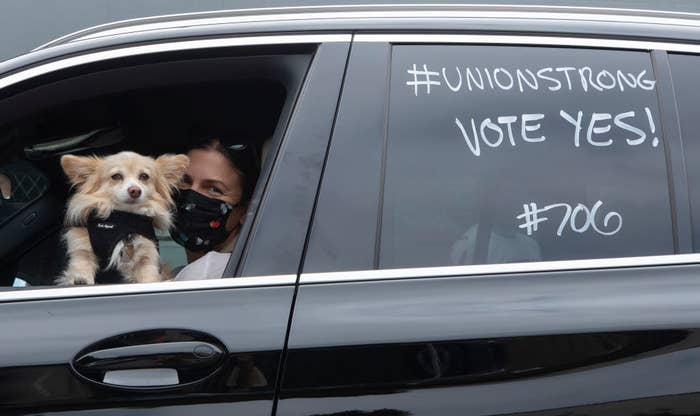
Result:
[[209, 266]]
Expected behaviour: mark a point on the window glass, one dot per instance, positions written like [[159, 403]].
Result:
[[684, 70], [508, 154]]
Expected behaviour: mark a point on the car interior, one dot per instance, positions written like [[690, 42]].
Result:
[[146, 105]]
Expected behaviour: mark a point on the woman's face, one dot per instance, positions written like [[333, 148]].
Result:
[[210, 173]]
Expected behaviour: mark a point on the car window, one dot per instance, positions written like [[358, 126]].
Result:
[[499, 154], [152, 109], [508, 154], [687, 91]]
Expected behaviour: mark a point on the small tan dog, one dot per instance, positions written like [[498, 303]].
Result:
[[118, 200]]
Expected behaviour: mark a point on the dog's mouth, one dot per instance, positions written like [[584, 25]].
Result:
[[130, 202]]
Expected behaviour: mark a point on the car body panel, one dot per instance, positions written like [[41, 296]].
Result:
[[495, 344], [36, 376]]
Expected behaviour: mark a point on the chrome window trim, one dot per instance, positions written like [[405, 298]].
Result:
[[168, 47], [20, 294], [515, 40], [385, 11], [482, 270]]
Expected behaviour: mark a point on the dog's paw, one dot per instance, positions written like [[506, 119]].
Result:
[[80, 281], [73, 280], [146, 277]]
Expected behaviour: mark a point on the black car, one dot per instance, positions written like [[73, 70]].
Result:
[[462, 210]]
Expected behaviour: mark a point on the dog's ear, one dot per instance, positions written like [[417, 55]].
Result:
[[172, 167], [79, 168]]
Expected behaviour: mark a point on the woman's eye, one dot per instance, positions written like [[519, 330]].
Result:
[[117, 177], [215, 190], [144, 177]]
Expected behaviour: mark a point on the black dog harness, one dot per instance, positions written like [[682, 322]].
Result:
[[106, 233]]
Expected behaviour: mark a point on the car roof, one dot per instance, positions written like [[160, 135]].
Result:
[[377, 12], [592, 22]]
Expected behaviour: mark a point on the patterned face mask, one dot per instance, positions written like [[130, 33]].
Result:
[[200, 221]]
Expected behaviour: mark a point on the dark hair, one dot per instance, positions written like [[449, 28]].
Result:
[[242, 154]]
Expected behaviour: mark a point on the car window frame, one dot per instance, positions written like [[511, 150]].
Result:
[[288, 214], [675, 85], [31, 72], [675, 160]]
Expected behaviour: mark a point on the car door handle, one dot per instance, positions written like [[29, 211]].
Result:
[[155, 361], [169, 354]]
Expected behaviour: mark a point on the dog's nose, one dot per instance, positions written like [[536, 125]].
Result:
[[134, 191]]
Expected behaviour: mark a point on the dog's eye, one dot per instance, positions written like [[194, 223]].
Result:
[[144, 177], [117, 176]]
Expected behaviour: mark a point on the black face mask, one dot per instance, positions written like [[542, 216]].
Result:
[[200, 221]]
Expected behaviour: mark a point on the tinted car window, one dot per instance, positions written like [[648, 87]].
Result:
[[684, 70], [505, 154]]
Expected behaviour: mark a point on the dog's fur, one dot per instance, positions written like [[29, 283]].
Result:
[[110, 183]]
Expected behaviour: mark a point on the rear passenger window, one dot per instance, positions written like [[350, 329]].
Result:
[[500, 154], [684, 70]]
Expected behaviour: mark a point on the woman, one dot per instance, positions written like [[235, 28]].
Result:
[[211, 205]]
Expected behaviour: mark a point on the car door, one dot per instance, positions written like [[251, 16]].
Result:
[[191, 347], [489, 237]]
